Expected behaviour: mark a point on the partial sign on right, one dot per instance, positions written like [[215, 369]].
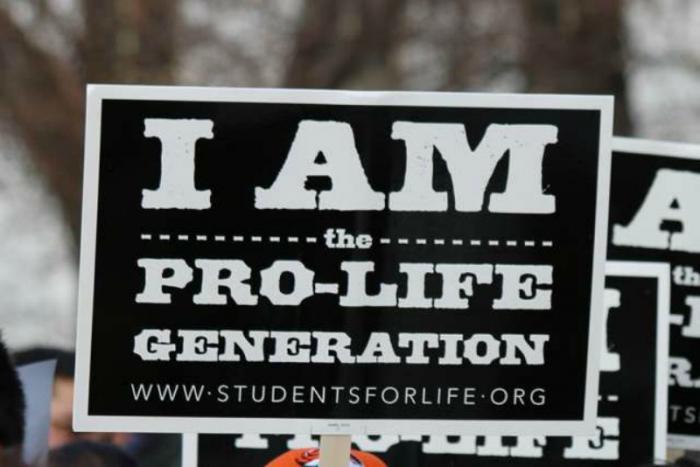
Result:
[[655, 216]]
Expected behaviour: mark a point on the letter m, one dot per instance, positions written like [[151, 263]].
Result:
[[471, 169]]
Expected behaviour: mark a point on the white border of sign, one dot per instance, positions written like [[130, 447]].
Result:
[[82, 421], [190, 449], [636, 146], [661, 271]]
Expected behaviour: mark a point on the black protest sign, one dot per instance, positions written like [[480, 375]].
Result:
[[655, 216], [338, 262], [631, 415]]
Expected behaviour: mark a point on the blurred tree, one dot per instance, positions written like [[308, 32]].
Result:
[[130, 41], [566, 46], [399, 44], [572, 46], [42, 97], [349, 44], [42, 92]]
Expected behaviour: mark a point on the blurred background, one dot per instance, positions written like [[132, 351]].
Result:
[[645, 52]]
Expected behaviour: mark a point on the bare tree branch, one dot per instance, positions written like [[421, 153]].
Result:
[[44, 99], [100, 41], [130, 41], [125, 41]]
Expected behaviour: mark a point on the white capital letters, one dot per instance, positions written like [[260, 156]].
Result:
[[679, 369], [356, 294], [415, 289], [673, 196], [177, 138], [153, 344], [251, 441], [441, 444], [198, 345], [604, 445], [303, 282], [470, 170], [522, 287], [458, 278], [236, 282], [179, 274], [692, 329], [350, 188]]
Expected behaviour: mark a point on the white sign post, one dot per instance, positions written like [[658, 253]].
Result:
[[335, 450]]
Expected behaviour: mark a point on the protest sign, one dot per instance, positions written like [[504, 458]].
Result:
[[341, 262], [655, 216], [631, 424]]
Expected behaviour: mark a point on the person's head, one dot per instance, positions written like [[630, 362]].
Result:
[[89, 454], [12, 408], [61, 428], [61, 431]]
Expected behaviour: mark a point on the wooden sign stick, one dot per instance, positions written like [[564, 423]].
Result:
[[335, 450]]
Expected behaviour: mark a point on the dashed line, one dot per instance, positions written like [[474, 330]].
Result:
[[613, 398], [382, 240], [321, 287]]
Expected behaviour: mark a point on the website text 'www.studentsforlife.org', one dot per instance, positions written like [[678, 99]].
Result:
[[333, 395]]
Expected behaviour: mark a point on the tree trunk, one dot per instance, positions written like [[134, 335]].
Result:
[[573, 46], [341, 43]]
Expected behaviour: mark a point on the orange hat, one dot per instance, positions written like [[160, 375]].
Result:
[[310, 458]]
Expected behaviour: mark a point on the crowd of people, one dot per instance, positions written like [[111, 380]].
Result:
[[71, 449], [66, 447]]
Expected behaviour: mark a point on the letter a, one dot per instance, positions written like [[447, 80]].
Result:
[[674, 196], [177, 138], [350, 189]]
